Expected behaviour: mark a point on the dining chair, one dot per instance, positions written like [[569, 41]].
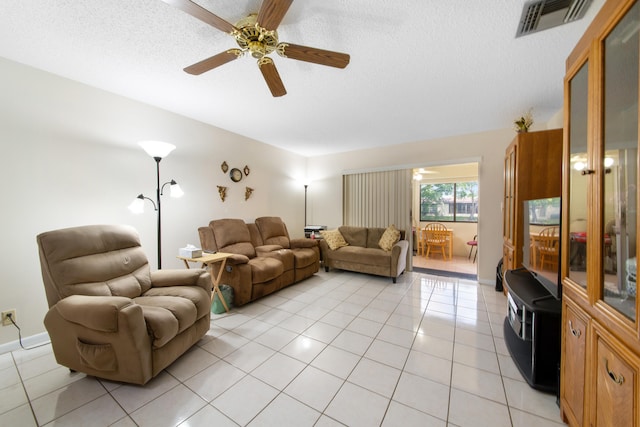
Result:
[[436, 236], [473, 244], [422, 241], [547, 244]]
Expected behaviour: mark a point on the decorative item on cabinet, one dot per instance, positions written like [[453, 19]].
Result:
[[246, 170], [224, 167], [523, 123], [222, 191], [247, 192]]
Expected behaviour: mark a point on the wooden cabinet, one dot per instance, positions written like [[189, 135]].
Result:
[[600, 366], [532, 170], [574, 339], [616, 394]]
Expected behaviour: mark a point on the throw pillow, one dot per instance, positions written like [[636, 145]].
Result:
[[389, 238], [333, 238]]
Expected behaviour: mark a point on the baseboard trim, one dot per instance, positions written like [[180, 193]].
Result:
[[28, 342]]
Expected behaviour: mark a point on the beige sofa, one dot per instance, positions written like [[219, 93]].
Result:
[[110, 316], [264, 258], [363, 253]]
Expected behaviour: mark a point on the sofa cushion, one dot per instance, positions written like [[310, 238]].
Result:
[[355, 236], [264, 269], [360, 255], [333, 238], [389, 238], [166, 316], [232, 235], [273, 231]]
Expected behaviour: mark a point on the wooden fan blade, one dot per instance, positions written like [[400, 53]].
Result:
[[213, 62], [272, 12], [202, 14], [311, 54], [271, 76]]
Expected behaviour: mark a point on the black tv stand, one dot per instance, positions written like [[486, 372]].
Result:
[[532, 330]]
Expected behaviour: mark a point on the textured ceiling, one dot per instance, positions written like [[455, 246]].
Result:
[[420, 69]]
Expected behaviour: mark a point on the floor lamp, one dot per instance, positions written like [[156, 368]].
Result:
[[158, 150]]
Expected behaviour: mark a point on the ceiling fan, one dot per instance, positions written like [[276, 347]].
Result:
[[257, 35]]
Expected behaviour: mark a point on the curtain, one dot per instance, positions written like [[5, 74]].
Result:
[[379, 199]]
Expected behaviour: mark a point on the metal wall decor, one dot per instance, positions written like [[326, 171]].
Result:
[[247, 192], [246, 170], [222, 191], [224, 167]]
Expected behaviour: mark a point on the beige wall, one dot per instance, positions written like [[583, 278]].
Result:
[[70, 157]]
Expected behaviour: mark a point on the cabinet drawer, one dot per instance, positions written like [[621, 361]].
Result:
[[615, 389], [574, 339]]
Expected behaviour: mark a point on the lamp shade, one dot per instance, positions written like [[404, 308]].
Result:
[[137, 206], [157, 149], [176, 191]]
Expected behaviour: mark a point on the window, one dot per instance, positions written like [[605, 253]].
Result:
[[452, 201]]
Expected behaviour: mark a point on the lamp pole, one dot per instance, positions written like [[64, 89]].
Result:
[[157, 159], [305, 204]]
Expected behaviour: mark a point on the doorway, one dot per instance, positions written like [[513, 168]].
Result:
[[447, 194]]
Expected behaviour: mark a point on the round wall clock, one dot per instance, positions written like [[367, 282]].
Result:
[[235, 174]]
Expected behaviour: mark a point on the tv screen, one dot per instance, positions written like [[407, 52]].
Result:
[[541, 243]]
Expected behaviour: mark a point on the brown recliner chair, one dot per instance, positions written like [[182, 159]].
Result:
[[306, 252], [110, 316]]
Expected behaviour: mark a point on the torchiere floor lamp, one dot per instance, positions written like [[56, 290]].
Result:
[[158, 150]]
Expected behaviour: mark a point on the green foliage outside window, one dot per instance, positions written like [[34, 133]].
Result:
[[449, 202]]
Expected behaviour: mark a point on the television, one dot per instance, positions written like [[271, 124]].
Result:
[[541, 249]]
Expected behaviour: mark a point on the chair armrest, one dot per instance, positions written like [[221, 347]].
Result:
[[177, 277], [303, 243], [99, 313]]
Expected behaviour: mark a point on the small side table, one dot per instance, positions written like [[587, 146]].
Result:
[[208, 260]]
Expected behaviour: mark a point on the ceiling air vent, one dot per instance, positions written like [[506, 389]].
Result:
[[540, 15]]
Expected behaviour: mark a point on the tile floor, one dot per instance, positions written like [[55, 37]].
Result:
[[337, 349]]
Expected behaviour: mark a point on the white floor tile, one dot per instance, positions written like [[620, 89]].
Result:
[[314, 387], [285, 411], [466, 409], [336, 361], [375, 376], [479, 382], [356, 406], [279, 370], [245, 399], [63, 400], [422, 394], [401, 415], [102, 411], [387, 353], [169, 409]]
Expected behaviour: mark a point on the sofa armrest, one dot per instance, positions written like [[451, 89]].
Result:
[[98, 313], [303, 243], [237, 259], [399, 257]]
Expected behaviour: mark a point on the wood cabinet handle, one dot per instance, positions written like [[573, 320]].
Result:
[[618, 379], [575, 332]]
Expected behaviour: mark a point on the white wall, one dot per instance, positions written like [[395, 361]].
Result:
[[70, 157]]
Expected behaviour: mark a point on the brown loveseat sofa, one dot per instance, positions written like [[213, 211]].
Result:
[[110, 316], [264, 258], [360, 251]]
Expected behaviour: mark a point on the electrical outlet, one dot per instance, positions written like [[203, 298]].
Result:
[[6, 315]]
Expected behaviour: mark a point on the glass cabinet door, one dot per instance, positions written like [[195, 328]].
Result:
[[619, 161], [577, 216]]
